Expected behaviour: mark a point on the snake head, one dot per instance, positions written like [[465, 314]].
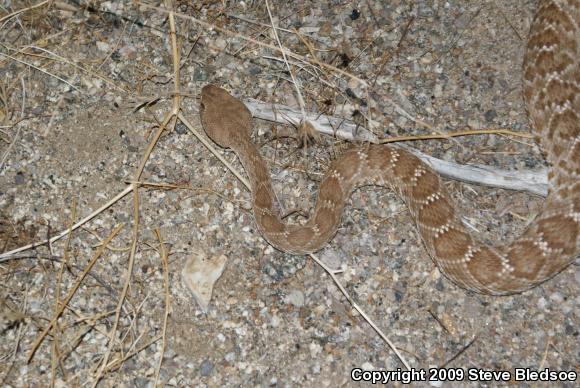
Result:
[[225, 119]]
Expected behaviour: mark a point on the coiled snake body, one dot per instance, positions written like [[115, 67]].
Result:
[[551, 75]]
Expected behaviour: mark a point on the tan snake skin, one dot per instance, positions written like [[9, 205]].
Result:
[[551, 242]]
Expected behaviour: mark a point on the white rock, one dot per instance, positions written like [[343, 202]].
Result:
[[200, 274], [103, 46], [296, 298]]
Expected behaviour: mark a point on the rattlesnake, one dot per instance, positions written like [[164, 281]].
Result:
[[551, 75]]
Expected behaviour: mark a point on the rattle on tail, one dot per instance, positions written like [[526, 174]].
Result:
[[549, 244]]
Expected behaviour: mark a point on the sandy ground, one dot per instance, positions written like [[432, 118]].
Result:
[[84, 88]]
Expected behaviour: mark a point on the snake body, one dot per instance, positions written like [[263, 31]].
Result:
[[551, 75]]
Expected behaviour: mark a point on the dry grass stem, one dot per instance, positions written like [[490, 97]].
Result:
[[58, 236], [71, 292], [164, 255], [332, 274]]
